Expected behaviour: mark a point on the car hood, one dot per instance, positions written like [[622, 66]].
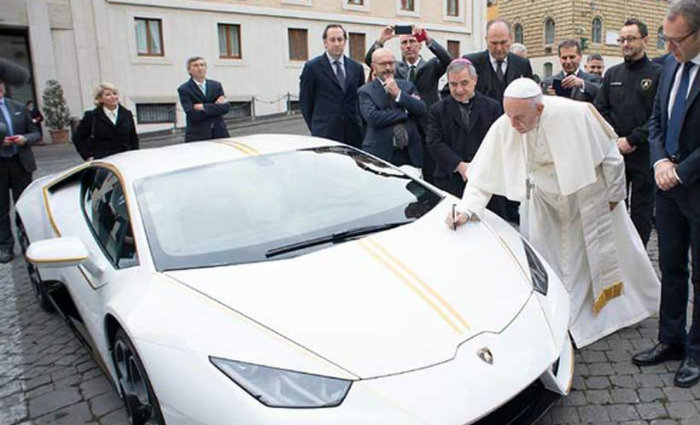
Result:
[[387, 303]]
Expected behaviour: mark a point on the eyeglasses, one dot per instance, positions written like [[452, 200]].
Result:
[[676, 41], [630, 39]]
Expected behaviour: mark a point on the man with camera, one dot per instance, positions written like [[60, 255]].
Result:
[[572, 81]]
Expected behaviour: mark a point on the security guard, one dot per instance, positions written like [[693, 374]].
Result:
[[625, 100]]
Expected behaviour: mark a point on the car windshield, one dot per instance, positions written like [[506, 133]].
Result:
[[267, 207]]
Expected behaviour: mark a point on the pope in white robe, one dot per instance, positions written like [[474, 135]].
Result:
[[559, 159]]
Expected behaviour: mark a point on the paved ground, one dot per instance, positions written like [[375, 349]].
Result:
[[47, 377]]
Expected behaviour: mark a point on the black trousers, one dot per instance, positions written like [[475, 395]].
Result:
[[455, 185], [640, 200], [678, 225], [13, 177]]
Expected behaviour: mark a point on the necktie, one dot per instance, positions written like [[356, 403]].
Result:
[[673, 129], [202, 88], [499, 70], [400, 140], [7, 151], [340, 73], [412, 73]]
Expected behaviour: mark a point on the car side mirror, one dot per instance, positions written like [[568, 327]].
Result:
[[57, 252]]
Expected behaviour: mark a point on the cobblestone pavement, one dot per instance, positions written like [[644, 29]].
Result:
[[47, 377]]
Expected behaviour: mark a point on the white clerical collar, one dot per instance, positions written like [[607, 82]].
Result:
[[341, 59]]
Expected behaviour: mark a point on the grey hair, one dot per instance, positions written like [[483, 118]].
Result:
[[537, 100], [100, 89], [689, 9], [459, 66], [518, 48]]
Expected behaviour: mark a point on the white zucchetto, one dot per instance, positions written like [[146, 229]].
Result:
[[522, 88]]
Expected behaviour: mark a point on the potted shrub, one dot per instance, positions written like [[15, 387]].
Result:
[[56, 113]]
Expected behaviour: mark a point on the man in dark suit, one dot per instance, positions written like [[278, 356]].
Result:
[[497, 67], [204, 102], [575, 83], [424, 74], [626, 100], [456, 126], [391, 108], [328, 91], [18, 133], [675, 153]]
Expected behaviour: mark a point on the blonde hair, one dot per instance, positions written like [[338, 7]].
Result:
[[100, 89]]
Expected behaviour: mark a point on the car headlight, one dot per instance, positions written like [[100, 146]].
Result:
[[540, 280], [284, 388]]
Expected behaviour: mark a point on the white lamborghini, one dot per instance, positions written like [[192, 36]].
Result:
[[280, 279]]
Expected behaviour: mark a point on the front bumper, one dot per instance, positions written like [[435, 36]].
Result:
[[461, 391]]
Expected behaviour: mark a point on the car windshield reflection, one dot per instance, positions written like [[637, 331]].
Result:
[[236, 211]]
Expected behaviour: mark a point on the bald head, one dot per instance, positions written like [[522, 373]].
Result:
[[383, 63], [498, 38]]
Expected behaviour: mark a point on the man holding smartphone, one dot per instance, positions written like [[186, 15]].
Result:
[[18, 133], [572, 81], [424, 74]]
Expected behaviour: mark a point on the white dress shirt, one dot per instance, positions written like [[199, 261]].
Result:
[[112, 115]]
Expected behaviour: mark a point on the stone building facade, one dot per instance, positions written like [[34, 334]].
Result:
[[542, 24], [256, 48]]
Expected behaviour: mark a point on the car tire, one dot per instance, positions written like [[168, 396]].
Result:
[[139, 398], [40, 294]]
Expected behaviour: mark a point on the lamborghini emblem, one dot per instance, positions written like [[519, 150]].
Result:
[[485, 355], [646, 84]]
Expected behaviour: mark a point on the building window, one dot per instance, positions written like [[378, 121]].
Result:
[[408, 5], [660, 39], [597, 31], [357, 46], [155, 113], [356, 2], [229, 41], [149, 37], [547, 69], [298, 44], [452, 7], [518, 33], [549, 31], [453, 48]]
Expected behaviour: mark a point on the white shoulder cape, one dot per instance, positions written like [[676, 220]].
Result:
[[577, 135]]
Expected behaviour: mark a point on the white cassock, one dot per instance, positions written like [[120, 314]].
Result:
[[574, 169]]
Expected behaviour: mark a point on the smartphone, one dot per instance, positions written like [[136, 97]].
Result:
[[559, 90], [403, 29]]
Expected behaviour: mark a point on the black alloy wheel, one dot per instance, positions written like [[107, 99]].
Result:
[[139, 398], [34, 278]]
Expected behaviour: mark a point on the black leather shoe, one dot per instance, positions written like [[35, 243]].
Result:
[[5, 255], [688, 374], [660, 353]]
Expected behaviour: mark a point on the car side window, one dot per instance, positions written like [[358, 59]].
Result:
[[104, 206]]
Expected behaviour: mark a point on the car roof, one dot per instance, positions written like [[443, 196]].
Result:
[[141, 163]]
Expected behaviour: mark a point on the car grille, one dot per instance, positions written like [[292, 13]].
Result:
[[525, 408]]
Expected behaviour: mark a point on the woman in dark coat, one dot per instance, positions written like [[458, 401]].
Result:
[[107, 129]]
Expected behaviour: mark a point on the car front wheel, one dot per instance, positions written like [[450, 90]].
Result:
[[34, 279], [139, 397]]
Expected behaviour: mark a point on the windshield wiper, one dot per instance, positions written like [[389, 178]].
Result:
[[333, 238]]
